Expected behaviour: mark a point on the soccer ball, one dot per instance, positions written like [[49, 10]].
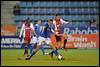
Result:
[[60, 57]]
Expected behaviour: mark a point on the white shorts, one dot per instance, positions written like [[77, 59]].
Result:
[[47, 40], [34, 40], [42, 39]]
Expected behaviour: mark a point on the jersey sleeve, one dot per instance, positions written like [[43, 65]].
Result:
[[31, 25], [52, 30], [21, 31], [54, 23], [62, 21]]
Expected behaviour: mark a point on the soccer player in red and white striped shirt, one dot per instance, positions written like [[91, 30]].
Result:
[[58, 36], [26, 30]]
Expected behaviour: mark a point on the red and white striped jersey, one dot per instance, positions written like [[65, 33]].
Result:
[[57, 24], [26, 30]]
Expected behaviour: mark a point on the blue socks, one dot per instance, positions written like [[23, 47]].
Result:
[[42, 49], [31, 48], [55, 52], [33, 53]]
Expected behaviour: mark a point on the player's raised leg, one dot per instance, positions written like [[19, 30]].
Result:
[[41, 42]]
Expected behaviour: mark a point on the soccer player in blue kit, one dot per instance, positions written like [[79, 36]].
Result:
[[45, 38], [38, 29]]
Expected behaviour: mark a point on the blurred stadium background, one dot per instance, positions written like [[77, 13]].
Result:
[[81, 14]]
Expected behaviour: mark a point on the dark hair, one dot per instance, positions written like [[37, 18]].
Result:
[[57, 14], [51, 20], [27, 19]]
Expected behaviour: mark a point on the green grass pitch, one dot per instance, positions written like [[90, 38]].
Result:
[[73, 57]]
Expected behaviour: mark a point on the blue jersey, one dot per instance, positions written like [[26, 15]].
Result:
[[47, 30], [38, 30]]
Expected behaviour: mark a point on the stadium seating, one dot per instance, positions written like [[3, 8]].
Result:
[[23, 11], [30, 11], [35, 17], [77, 11], [23, 17], [22, 4], [42, 4], [17, 18], [29, 4]]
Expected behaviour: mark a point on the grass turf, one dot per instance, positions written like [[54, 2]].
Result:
[[73, 57]]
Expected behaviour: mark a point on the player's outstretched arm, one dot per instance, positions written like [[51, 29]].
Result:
[[33, 30], [62, 21], [21, 31]]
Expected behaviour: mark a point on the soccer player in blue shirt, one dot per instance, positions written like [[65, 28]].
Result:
[[48, 30], [38, 29]]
